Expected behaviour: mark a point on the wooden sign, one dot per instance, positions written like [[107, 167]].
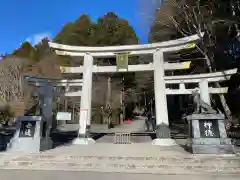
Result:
[[122, 61]]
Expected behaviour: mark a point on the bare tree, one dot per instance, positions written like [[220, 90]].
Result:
[[11, 79], [11, 89]]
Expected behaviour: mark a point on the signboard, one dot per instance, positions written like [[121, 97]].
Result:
[[64, 116], [122, 61], [27, 129], [209, 129]]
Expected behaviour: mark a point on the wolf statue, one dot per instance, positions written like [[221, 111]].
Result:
[[200, 105]]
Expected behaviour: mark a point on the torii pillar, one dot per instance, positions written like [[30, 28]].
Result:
[[85, 104], [162, 130]]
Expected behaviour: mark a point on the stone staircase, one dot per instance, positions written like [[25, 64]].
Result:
[[131, 158]]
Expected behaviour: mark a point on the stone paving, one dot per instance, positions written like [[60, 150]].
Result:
[[137, 125], [134, 158]]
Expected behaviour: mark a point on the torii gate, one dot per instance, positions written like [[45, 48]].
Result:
[[46, 90], [160, 80]]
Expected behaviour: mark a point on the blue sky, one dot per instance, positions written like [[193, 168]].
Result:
[[30, 19]]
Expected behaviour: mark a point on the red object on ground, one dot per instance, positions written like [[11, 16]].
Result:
[[128, 121]]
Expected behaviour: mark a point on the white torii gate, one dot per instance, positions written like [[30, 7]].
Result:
[[160, 80]]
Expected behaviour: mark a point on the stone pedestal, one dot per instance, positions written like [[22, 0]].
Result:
[[83, 140], [207, 135], [163, 137], [31, 135]]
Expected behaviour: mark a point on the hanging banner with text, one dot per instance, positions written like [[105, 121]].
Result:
[[122, 61]]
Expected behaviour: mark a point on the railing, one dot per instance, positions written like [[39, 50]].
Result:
[[234, 134], [122, 138]]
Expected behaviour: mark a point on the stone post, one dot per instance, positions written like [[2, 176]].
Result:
[[61, 123], [121, 108], [162, 129], [109, 92], [89, 59], [47, 92], [73, 111], [46, 106], [85, 104]]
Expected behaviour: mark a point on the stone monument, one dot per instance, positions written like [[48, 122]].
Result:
[[207, 132], [30, 135]]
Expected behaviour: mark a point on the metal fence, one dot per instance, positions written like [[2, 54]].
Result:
[[234, 134], [122, 138]]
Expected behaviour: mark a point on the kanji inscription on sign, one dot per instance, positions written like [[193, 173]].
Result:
[[27, 129], [122, 61], [209, 128]]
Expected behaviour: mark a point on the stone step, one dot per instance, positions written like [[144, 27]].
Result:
[[132, 150], [123, 168], [173, 161], [130, 166], [134, 158]]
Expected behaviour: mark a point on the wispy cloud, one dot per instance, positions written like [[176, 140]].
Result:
[[36, 38]]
